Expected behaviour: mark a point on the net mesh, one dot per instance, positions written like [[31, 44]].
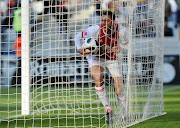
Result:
[[62, 90]]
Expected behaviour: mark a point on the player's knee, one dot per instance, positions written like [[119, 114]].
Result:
[[118, 91]]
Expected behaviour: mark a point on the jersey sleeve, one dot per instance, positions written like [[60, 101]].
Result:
[[78, 40], [91, 32], [123, 34], [123, 37]]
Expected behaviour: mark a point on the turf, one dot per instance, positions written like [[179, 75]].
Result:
[[172, 108], [170, 120]]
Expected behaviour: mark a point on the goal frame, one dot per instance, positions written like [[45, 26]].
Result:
[[25, 61]]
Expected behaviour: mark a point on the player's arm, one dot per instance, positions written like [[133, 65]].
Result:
[[115, 49], [83, 52], [91, 32], [122, 41], [78, 42], [123, 38]]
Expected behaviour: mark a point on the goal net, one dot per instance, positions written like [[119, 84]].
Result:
[[45, 82]]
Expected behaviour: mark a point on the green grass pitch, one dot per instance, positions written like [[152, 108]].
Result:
[[172, 107], [170, 120]]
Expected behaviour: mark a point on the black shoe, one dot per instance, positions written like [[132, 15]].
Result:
[[109, 117]]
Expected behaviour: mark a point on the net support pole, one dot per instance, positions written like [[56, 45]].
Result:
[[25, 63]]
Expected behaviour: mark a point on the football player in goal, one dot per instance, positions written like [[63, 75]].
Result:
[[107, 34]]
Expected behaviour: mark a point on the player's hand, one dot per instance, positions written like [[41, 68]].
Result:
[[115, 49], [84, 52]]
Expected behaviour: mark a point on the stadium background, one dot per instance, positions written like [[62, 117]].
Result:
[[10, 65]]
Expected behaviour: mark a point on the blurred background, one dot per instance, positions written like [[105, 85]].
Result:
[[61, 16]]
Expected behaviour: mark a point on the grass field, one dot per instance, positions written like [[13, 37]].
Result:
[[172, 107], [170, 120]]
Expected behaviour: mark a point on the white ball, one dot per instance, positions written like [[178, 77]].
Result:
[[90, 44]]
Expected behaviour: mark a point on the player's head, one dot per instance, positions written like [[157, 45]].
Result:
[[108, 19], [110, 14]]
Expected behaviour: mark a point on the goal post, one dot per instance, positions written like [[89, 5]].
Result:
[[25, 58]]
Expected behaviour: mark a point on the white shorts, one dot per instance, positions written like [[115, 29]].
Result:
[[113, 66]]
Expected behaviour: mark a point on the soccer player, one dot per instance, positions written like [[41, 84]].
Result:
[[108, 34]]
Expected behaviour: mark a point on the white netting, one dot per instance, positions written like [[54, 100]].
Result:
[[61, 89]]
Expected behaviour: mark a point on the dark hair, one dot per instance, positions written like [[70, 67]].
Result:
[[111, 14]]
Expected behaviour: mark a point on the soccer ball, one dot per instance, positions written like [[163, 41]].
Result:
[[90, 44]]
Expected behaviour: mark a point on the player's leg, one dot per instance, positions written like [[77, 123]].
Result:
[[119, 89], [97, 74], [118, 85], [121, 97], [115, 70]]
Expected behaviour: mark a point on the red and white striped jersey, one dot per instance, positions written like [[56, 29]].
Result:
[[106, 41]]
